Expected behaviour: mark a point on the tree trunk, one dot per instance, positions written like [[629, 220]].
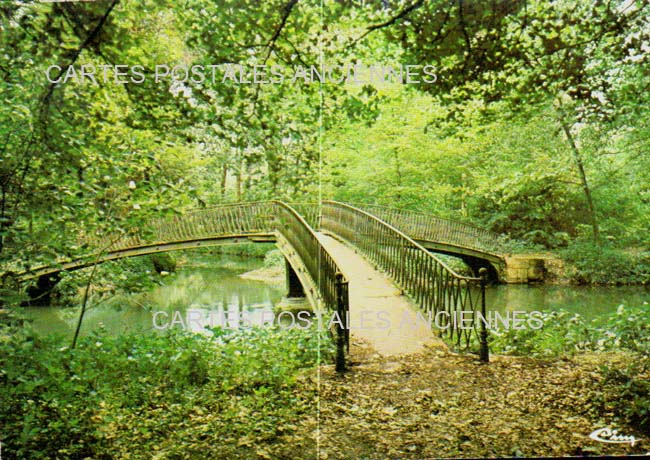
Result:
[[398, 173], [224, 177], [583, 179], [3, 224], [463, 196], [239, 178]]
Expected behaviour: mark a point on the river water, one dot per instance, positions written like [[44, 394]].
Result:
[[208, 283], [212, 283]]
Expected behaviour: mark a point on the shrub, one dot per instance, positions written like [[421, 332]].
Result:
[[564, 333], [133, 390], [248, 249], [605, 264], [506, 244], [163, 262], [274, 258], [626, 392]]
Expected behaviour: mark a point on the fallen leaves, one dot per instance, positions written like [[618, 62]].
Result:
[[440, 404]]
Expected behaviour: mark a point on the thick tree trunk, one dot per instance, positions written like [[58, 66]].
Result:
[[583, 179], [463, 196]]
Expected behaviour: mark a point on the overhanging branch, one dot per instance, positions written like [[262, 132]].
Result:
[[402, 14], [87, 42], [286, 12]]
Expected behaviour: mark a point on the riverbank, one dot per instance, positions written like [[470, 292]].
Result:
[[272, 275], [272, 272], [261, 393], [236, 395], [583, 263]]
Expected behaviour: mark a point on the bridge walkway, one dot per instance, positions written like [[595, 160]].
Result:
[[379, 312]]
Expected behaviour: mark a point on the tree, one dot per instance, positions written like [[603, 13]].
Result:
[[569, 53]]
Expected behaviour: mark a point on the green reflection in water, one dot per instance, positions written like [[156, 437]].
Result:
[[588, 301], [207, 282], [212, 283]]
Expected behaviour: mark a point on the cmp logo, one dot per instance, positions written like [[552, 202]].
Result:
[[611, 436]]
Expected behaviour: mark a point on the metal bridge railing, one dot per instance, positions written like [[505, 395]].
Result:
[[258, 218], [303, 239], [224, 220], [441, 293], [426, 227], [310, 212], [433, 285], [326, 274]]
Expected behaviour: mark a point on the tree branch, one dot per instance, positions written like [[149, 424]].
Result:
[[285, 16], [88, 41], [402, 14]]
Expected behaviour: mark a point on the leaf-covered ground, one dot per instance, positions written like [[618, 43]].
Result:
[[259, 394], [440, 404]]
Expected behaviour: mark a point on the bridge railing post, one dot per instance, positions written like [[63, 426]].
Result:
[[342, 330], [484, 351]]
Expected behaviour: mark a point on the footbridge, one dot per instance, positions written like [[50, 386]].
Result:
[[477, 247], [318, 243]]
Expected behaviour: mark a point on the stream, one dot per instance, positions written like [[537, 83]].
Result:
[[213, 283]]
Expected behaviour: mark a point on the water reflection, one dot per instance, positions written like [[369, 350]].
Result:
[[211, 285], [589, 301], [208, 284]]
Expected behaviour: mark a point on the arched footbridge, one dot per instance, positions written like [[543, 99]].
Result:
[[477, 247], [339, 257]]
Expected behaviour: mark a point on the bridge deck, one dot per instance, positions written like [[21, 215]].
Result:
[[371, 294]]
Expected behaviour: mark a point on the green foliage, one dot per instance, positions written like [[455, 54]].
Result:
[[536, 103], [628, 328], [604, 264], [63, 403], [564, 333], [510, 245], [491, 145], [484, 143], [509, 172], [113, 278], [626, 392], [258, 250], [163, 262], [274, 258], [456, 264]]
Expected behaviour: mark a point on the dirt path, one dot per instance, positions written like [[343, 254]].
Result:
[[380, 314], [407, 396], [438, 404]]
